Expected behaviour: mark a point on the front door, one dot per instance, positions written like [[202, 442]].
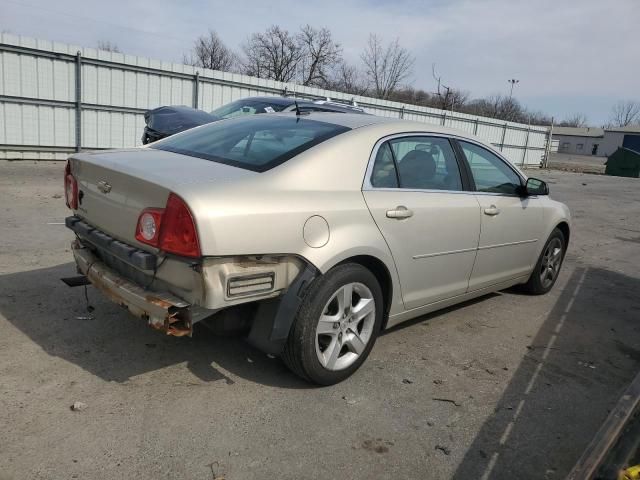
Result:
[[509, 241], [431, 224]]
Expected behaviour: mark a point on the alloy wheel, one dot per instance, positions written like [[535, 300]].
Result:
[[551, 261], [345, 326]]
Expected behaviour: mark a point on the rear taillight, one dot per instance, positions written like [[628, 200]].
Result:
[[149, 223], [171, 229], [178, 234], [70, 188]]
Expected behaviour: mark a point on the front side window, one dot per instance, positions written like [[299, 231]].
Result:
[[257, 143], [426, 163], [490, 172]]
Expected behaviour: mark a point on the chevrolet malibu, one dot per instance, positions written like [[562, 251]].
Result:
[[313, 233]]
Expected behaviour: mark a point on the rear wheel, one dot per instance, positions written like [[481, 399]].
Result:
[[547, 268], [336, 326]]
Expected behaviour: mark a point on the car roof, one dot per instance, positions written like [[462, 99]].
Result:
[[275, 100], [291, 100], [356, 120]]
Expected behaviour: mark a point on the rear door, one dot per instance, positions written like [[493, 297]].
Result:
[[416, 194], [510, 223]]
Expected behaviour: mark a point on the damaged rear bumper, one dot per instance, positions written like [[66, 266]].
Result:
[[162, 311]]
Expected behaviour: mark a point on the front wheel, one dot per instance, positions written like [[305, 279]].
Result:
[[547, 268], [336, 326]]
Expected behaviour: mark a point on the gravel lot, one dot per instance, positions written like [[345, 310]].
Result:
[[523, 382]]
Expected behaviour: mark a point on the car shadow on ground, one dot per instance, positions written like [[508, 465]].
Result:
[[583, 357], [425, 318], [116, 346]]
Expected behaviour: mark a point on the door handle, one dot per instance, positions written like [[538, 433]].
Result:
[[400, 212], [492, 211]]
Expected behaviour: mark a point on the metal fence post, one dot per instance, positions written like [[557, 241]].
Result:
[[547, 150], [196, 87], [78, 101], [504, 134], [75, 105], [526, 143]]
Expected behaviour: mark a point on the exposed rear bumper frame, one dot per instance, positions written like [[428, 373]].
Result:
[[162, 311]]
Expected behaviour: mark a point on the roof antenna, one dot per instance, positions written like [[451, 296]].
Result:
[[300, 113]]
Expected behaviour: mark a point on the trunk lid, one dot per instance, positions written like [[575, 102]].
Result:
[[115, 186]]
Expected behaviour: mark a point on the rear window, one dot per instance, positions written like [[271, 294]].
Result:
[[257, 143]]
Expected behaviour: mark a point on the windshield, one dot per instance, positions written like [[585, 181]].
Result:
[[255, 143], [247, 107]]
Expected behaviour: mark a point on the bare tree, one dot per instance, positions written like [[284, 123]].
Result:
[[386, 67], [442, 91], [575, 120], [539, 118], [319, 54], [457, 99], [108, 46], [347, 78], [274, 54], [499, 106], [209, 51], [412, 96], [449, 98], [625, 112]]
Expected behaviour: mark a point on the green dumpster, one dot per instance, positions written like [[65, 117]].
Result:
[[623, 163]]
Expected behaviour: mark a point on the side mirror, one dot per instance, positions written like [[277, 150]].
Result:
[[535, 186]]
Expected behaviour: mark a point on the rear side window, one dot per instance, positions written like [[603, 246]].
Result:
[[384, 170], [426, 163], [423, 163], [257, 143]]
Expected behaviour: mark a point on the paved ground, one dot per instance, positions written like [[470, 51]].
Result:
[[577, 163], [531, 378]]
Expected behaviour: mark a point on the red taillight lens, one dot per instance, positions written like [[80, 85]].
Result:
[[171, 229], [70, 188], [178, 234]]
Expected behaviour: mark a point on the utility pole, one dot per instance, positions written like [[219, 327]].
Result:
[[513, 82]]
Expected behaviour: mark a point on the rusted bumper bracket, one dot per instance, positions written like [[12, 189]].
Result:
[[162, 311]]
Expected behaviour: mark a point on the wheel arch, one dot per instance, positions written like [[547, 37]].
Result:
[[563, 226], [382, 274]]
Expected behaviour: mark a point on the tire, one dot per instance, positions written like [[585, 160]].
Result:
[[325, 344], [539, 284]]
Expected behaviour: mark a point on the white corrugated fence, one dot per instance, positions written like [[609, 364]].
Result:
[[57, 98]]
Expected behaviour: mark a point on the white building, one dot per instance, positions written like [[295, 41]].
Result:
[[596, 141]]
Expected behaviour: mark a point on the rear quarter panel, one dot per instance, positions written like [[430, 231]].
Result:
[[266, 213]]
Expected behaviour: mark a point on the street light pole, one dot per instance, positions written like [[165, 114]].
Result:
[[513, 82]]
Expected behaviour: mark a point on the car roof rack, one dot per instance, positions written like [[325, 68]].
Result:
[[353, 105]]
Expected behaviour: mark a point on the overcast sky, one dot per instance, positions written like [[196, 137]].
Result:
[[570, 55]]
